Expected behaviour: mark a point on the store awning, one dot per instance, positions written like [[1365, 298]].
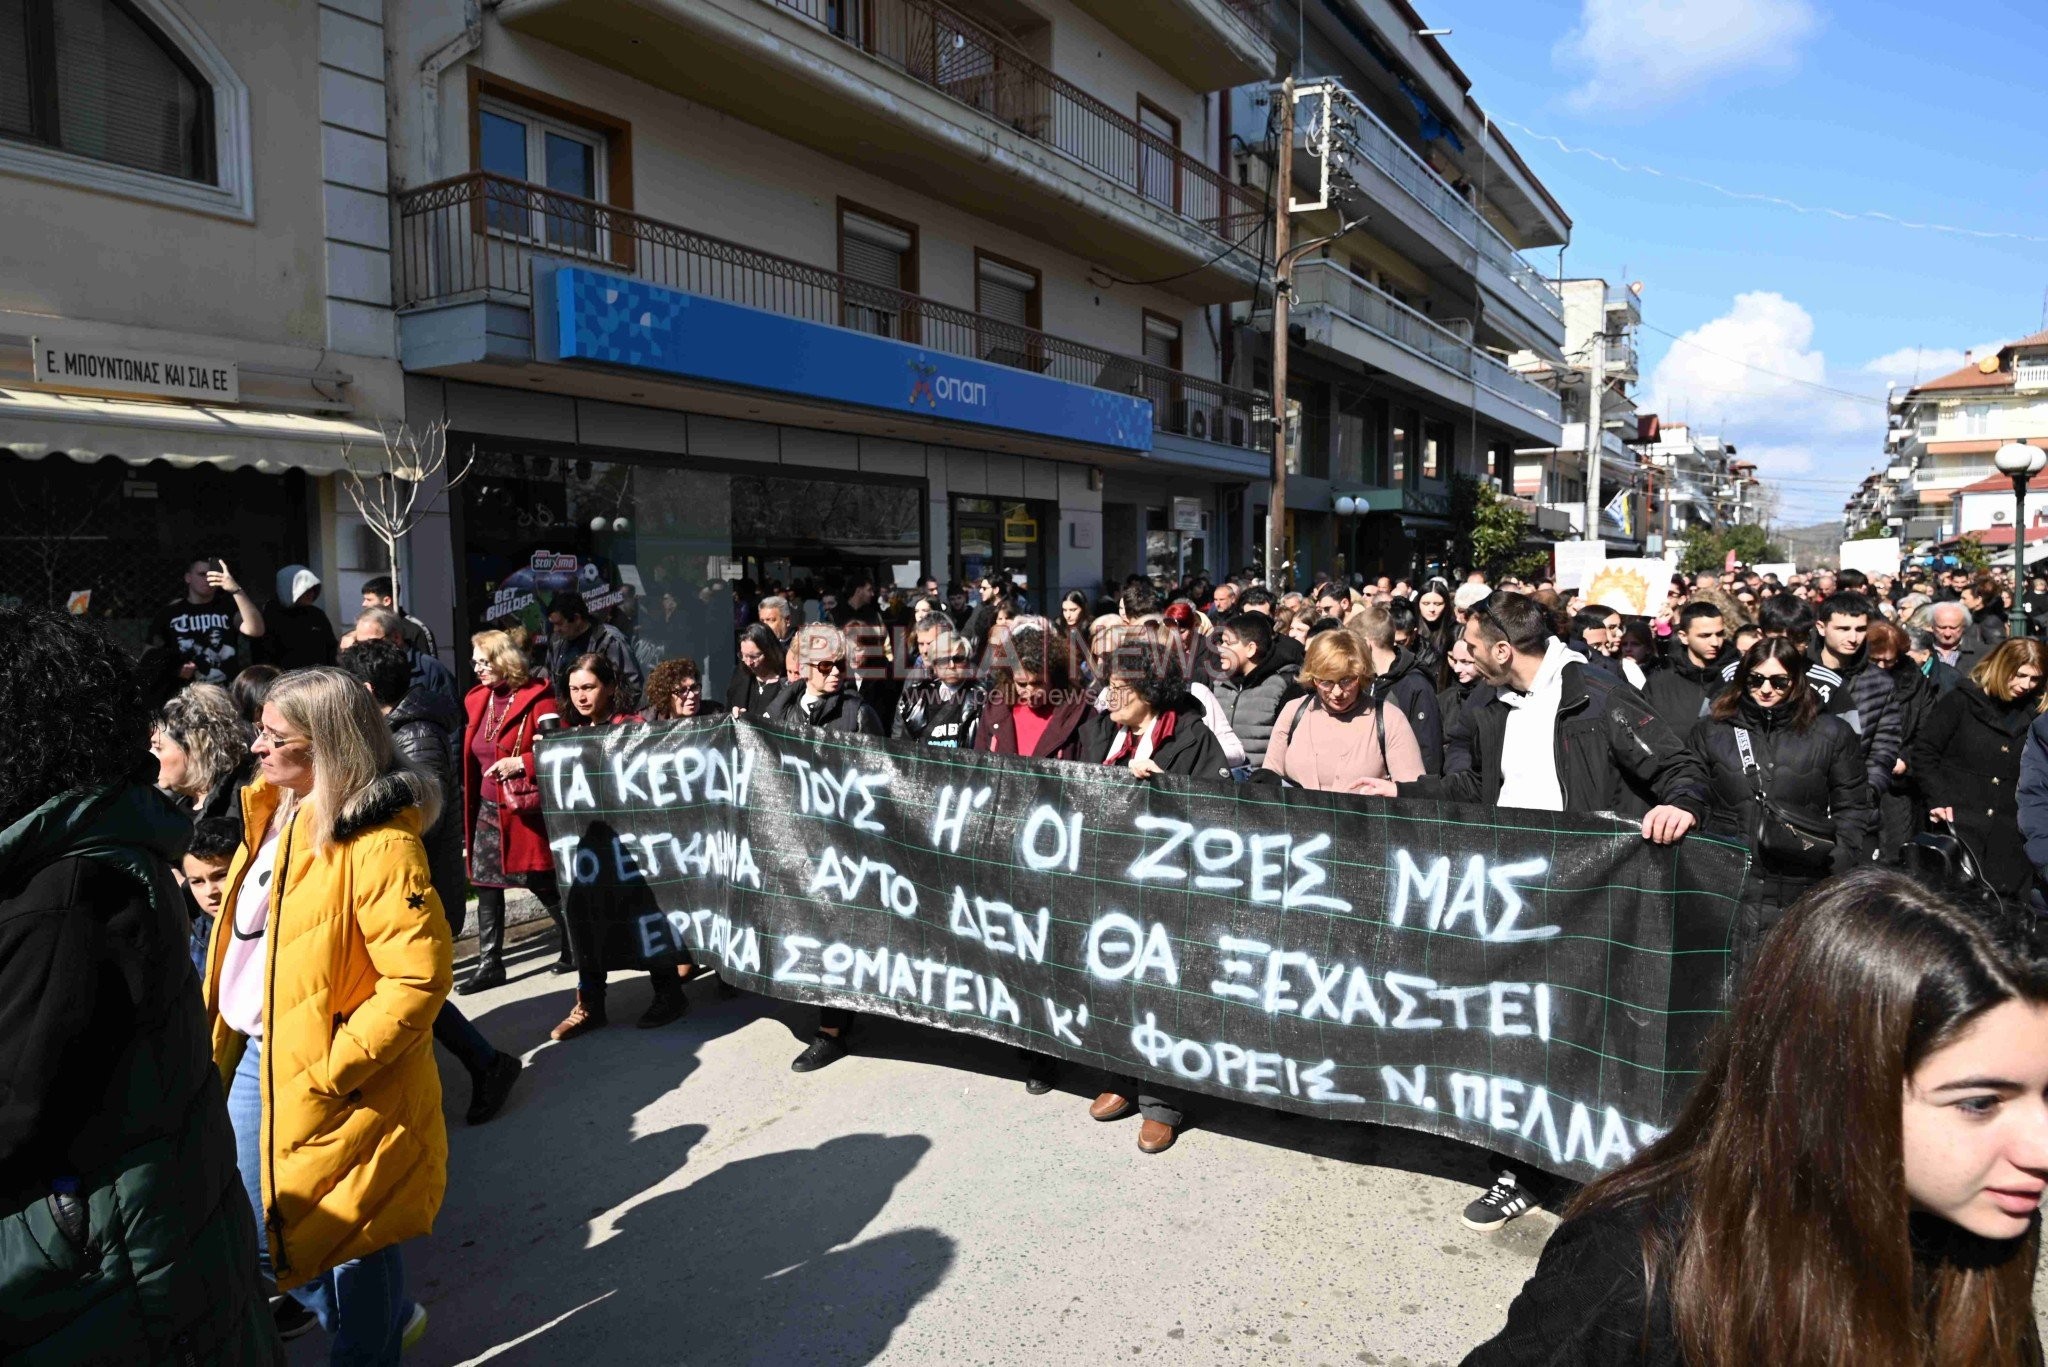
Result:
[[34, 425]]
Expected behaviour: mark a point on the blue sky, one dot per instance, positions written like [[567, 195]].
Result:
[[1930, 112]]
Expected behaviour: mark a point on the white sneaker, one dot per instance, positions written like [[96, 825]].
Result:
[[415, 1329], [1503, 1201]]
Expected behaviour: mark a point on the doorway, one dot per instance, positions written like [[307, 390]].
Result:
[[993, 535]]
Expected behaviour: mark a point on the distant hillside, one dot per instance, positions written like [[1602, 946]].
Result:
[[1812, 547]]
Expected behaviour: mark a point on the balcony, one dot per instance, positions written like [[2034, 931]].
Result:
[[1204, 44], [1357, 320], [474, 240], [943, 104], [1430, 219]]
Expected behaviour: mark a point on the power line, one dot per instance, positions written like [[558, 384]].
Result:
[[1776, 201], [1765, 370]]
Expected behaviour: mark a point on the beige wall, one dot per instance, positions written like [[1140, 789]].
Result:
[[91, 256], [706, 170]]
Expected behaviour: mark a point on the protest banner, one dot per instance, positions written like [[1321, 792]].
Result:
[[1535, 983], [1873, 555], [1575, 560], [1633, 588]]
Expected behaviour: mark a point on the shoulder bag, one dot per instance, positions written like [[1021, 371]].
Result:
[[1779, 830], [520, 793]]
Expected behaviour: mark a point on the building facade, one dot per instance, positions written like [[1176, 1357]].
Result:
[[1401, 325], [196, 329], [750, 290], [1943, 434], [1553, 476]]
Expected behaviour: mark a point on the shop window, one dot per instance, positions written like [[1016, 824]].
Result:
[[880, 252]]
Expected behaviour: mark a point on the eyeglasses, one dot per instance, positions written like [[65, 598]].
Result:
[[1776, 683], [689, 688], [829, 666], [1348, 681], [277, 742]]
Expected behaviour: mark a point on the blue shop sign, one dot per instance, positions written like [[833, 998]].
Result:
[[589, 316]]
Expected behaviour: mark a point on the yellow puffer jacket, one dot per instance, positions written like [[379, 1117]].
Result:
[[355, 1155]]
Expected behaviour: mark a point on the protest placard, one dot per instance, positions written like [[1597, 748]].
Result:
[[1532, 982]]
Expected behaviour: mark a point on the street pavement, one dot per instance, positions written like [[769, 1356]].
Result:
[[680, 1196]]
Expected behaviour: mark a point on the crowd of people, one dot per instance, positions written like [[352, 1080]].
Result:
[[263, 1018]]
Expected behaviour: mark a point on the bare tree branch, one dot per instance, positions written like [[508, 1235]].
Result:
[[400, 486]]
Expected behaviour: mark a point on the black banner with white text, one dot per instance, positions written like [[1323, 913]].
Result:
[[1533, 983]]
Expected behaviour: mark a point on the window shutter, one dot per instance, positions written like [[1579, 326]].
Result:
[[1162, 339], [1006, 293], [17, 109], [873, 251], [122, 97]]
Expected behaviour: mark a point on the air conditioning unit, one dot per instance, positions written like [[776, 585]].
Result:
[[2000, 515]]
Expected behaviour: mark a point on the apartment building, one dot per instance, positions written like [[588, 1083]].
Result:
[[195, 306], [1697, 483], [804, 289], [1944, 433], [1553, 475], [1401, 327]]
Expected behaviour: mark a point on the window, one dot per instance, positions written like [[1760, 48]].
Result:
[[882, 252], [123, 96], [1976, 419], [1355, 438], [93, 78], [1398, 439], [1162, 350], [1158, 140], [1439, 444], [524, 146], [1310, 454], [1008, 292]]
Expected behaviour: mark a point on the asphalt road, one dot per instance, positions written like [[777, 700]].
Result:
[[679, 1196]]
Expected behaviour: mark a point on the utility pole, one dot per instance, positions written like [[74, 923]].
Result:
[[1596, 388], [1283, 199]]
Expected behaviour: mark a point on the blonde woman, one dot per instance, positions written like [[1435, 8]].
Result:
[[501, 825], [202, 750], [328, 964], [1336, 737]]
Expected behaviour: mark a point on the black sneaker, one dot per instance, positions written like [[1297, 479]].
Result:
[[668, 1006], [824, 1049], [292, 1319], [487, 1094], [1043, 1072], [1503, 1201]]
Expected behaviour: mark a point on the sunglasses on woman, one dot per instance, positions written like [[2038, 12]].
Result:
[[1776, 683]]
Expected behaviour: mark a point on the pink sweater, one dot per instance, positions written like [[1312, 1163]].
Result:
[[1331, 753]]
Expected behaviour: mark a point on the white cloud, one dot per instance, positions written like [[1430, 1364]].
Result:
[[1640, 52], [1911, 364], [1754, 376]]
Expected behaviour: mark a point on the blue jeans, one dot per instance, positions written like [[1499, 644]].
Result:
[[362, 1303]]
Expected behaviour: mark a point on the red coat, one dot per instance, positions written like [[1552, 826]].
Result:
[[525, 839]]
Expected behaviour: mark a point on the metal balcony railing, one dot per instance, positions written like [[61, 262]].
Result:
[[477, 236], [1380, 145], [973, 63], [1329, 284]]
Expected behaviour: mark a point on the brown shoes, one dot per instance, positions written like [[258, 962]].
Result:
[[1112, 1106], [583, 1018], [1155, 1136]]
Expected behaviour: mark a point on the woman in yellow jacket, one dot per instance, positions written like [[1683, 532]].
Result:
[[327, 965]]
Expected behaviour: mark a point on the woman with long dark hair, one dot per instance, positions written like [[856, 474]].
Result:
[[759, 678], [1439, 618], [1966, 758], [1856, 1177], [1771, 753]]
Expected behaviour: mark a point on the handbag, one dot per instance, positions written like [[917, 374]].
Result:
[[1781, 831], [1945, 859], [520, 793]]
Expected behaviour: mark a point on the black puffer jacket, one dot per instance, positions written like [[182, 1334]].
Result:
[[1252, 702], [417, 735], [1612, 752], [1864, 698], [1817, 772], [841, 711], [929, 715], [1682, 691], [125, 1233], [1411, 688], [1967, 757]]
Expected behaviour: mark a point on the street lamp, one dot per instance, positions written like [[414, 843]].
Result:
[[2022, 462]]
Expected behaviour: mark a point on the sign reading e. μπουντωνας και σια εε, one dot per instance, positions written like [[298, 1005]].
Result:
[[162, 372]]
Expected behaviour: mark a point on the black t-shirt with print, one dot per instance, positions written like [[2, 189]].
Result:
[[204, 635]]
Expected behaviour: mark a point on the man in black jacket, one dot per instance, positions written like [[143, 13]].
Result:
[[385, 668], [1684, 690], [1849, 689], [1556, 736], [1400, 679]]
